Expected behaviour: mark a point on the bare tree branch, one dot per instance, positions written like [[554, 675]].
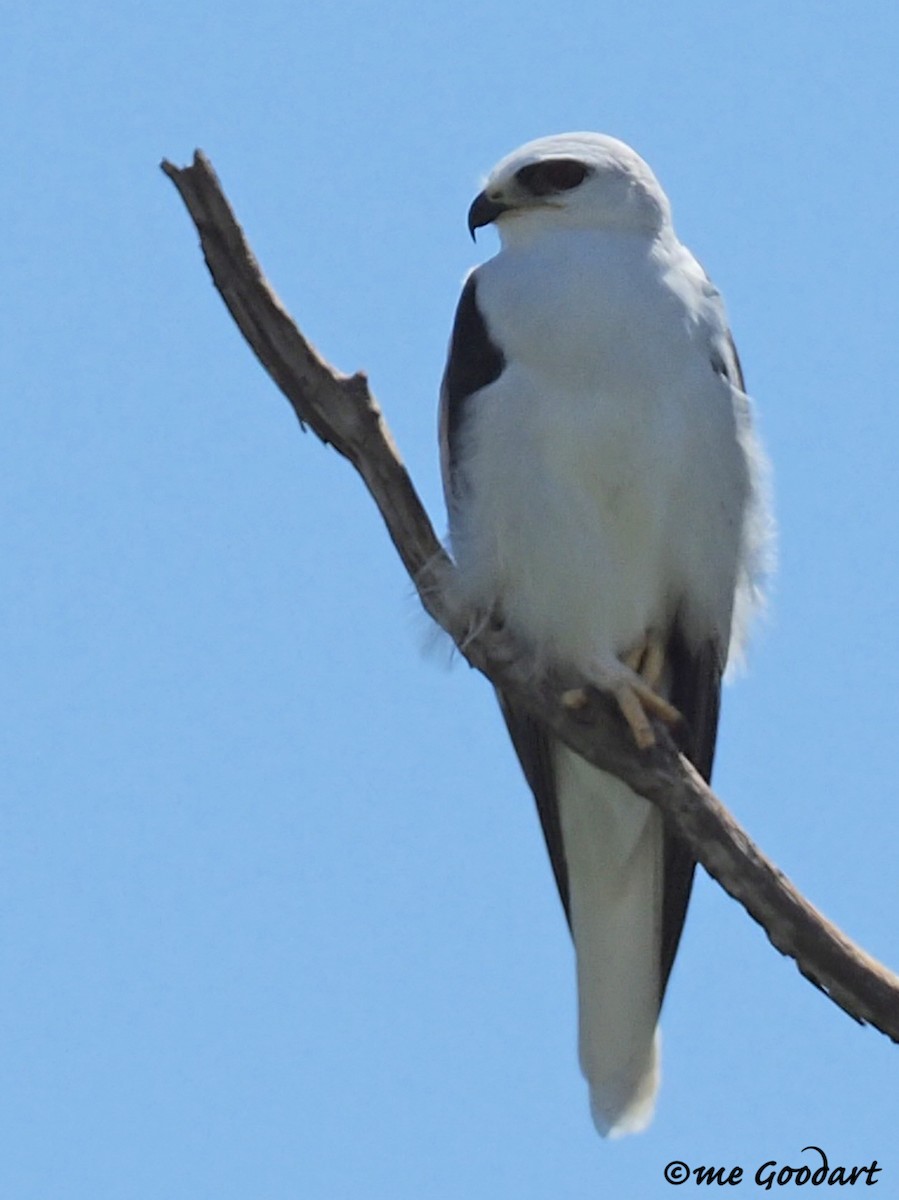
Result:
[[343, 412]]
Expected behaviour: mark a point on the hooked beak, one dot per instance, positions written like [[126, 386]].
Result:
[[484, 211]]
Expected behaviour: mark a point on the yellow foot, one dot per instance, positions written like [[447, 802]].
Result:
[[632, 682], [647, 658]]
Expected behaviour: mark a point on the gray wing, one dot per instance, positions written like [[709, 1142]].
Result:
[[694, 688], [533, 745], [695, 691]]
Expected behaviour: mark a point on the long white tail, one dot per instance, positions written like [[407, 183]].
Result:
[[613, 849]]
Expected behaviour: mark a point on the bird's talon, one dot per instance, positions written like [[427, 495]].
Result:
[[632, 688], [629, 702], [575, 698], [658, 705]]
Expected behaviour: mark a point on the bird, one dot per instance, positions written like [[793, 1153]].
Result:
[[607, 497]]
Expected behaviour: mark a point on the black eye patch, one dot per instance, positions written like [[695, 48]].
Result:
[[553, 175]]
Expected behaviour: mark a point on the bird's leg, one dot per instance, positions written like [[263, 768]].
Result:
[[647, 658], [632, 680]]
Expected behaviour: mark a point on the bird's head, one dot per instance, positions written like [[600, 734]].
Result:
[[572, 180]]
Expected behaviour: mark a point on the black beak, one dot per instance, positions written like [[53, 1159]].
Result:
[[484, 211]]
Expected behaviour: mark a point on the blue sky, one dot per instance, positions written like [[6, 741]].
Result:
[[277, 920]]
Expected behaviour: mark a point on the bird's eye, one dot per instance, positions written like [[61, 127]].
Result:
[[553, 175]]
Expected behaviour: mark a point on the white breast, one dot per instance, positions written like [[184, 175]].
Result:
[[606, 480]]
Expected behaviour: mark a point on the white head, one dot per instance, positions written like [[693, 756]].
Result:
[[571, 181]]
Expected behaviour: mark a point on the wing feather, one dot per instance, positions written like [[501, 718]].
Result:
[[473, 362], [694, 687], [695, 691]]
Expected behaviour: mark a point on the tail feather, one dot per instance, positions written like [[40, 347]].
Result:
[[614, 852]]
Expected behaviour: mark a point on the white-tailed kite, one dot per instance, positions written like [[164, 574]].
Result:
[[605, 498]]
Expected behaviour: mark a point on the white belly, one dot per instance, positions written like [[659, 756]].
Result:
[[565, 528]]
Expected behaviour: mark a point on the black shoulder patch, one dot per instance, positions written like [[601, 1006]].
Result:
[[474, 361], [728, 365]]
